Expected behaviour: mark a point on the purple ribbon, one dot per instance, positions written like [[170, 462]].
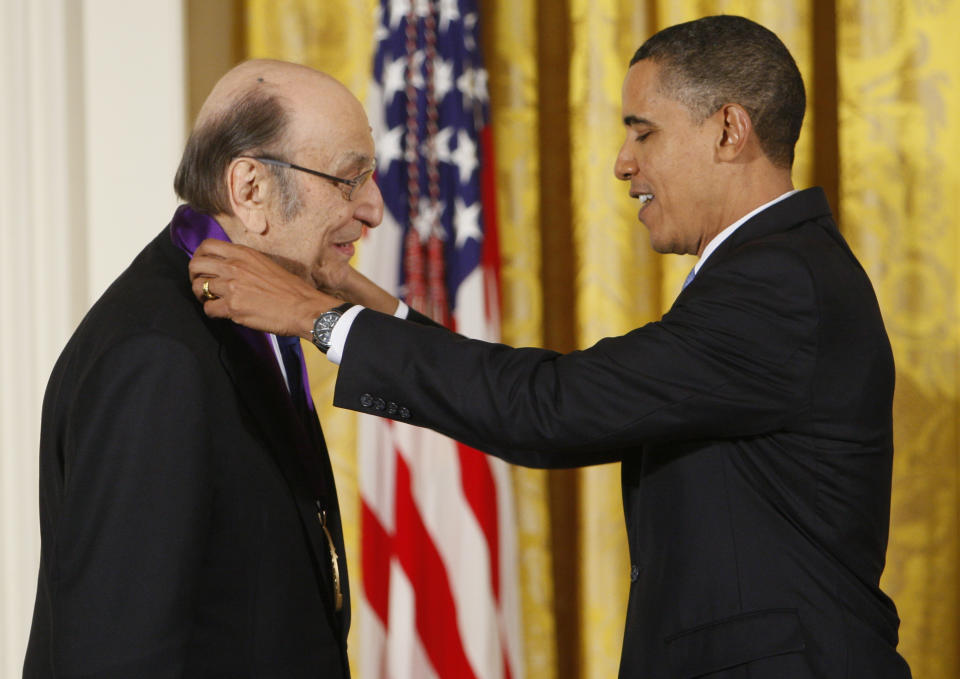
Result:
[[188, 229]]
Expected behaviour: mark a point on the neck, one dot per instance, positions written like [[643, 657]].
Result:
[[750, 190], [745, 192], [231, 226]]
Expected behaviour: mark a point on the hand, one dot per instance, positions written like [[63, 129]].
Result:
[[253, 290], [356, 288], [333, 279]]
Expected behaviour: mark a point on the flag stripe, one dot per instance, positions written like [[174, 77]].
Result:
[[439, 495], [490, 257], [481, 494], [376, 549], [435, 610]]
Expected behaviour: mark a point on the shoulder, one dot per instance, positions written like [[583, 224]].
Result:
[[769, 273], [147, 316]]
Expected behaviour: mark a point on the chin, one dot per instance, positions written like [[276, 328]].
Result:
[[662, 245]]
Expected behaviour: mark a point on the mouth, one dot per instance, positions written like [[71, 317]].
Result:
[[346, 248], [644, 198]]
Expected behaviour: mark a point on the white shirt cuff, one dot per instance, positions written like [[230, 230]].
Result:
[[338, 336]]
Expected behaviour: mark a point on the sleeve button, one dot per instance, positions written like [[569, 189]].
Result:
[[366, 400]]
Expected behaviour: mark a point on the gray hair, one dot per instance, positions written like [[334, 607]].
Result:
[[256, 121]]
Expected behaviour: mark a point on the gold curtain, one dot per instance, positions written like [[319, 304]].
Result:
[[881, 135], [511, 59], [899, 114]]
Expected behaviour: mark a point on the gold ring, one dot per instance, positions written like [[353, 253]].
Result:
[[207, 295]]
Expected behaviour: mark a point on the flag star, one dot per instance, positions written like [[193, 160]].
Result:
[[473, 84], [417, 80], [442, 79], [427, 216], [466, 222], [442, 143], [394, 79], [395, 76], [449, 12], [381, 32], [398, 10], [390, 148], [469, 35], [422, 8], [465, 156]]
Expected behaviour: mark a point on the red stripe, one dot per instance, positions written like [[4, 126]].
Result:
[[481, 494], [436, 616], [490, 257], [375, 550]]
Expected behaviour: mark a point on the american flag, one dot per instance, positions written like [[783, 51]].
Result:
[[439, 592]]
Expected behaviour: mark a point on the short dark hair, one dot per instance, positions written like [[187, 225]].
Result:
[[256, 121], [725, 59]]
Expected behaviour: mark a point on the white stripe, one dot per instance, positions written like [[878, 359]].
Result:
[[406, 658], [378, 257], [510, 611], [377, 469], [470, 308], [449, 519], [371, 635]]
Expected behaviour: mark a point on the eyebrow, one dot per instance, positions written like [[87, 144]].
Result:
[[352, 159], [632, 120]]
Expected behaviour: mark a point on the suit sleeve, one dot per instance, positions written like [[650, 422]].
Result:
[[130, 537], [732, 358]]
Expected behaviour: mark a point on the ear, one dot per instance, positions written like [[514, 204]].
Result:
[[247, 189], [736, 131]]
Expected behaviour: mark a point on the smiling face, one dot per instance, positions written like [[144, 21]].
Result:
[[328, 132], [671, 162]]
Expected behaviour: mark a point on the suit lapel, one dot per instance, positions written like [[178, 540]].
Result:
[[297, 447], [298, 450]]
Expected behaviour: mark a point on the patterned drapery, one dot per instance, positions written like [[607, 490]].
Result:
[[881, 135]]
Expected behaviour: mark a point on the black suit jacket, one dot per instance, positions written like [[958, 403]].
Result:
[[754, 427], [179, 499]]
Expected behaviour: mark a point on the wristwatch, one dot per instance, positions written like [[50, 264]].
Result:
[[323, 326]]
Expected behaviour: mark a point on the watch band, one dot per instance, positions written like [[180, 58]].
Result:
[[323, 326]]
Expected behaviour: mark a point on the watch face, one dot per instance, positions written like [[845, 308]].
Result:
[[323, 328]]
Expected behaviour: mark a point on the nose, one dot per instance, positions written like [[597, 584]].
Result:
[[625, 166], [369, 204]]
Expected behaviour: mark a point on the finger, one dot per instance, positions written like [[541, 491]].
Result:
[[197, 286], [212, 247], [216, 308], [218, 249], [203, 288], [206, 266]]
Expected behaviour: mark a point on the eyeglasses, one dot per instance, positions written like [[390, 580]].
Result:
[[348, 187]]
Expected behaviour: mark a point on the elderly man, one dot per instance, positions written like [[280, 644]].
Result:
[[753, 421], [189, 517]]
